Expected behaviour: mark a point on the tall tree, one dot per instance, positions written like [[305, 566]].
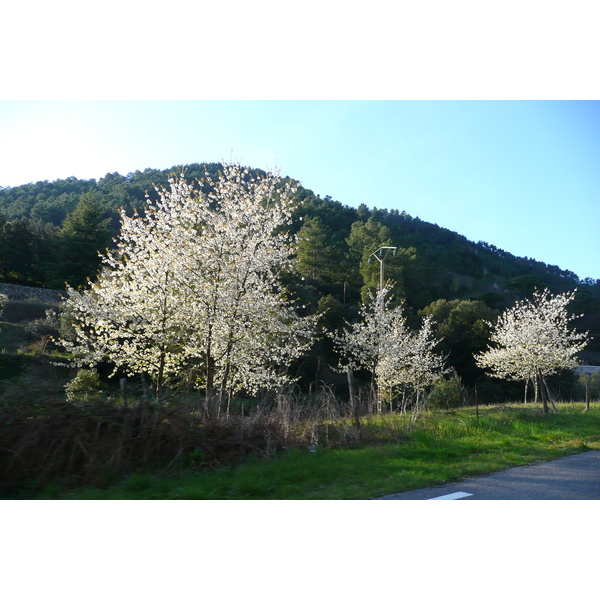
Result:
[[18, 260], [195, 284], [463, 329], [319, 257], [85, 233], [364, 239]]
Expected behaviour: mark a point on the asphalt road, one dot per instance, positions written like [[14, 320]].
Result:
[[575, 477]]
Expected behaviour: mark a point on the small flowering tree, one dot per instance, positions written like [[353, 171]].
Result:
[[194, 285], [383, 344], [414, 363], [532, 340]]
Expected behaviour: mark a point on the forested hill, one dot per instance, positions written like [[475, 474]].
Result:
[[50, 233]]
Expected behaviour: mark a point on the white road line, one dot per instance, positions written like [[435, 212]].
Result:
[[455, 496]]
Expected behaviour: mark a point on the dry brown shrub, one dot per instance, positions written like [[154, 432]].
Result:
[[52, 440]]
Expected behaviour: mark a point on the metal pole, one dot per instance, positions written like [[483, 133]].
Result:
[[382, 261]]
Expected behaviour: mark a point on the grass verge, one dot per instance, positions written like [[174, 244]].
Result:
[[439, 448]]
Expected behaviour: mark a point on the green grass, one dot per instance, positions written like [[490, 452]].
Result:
[[440, 448]]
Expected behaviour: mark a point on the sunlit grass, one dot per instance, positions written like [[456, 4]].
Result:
[[401, 456]]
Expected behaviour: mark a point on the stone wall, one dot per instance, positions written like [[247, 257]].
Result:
[[586, 369], [21, 292]]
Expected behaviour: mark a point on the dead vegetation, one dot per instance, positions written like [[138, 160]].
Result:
[[93, 443]]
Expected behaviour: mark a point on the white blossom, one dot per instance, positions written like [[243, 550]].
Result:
[[383, 344], [195, 282], [532, 339]]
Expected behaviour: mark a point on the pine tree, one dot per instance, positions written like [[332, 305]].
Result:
[[84, 234]]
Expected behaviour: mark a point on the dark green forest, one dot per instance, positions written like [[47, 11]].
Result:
[[51, 233]]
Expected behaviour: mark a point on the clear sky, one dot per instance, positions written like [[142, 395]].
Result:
[[522, 175]]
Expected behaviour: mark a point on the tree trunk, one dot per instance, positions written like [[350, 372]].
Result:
[[542, 391], [123, 386], [350, 376], [160, 376], [209, 401], [549, 395], [223, 391], [144, 387], [587, 392], [161, 366], [587, 398], [317, 377], [353, 400]]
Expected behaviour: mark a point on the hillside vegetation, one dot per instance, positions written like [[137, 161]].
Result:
[[243, 315], [51, 233]]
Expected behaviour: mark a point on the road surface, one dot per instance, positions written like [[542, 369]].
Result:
[[575, 477]]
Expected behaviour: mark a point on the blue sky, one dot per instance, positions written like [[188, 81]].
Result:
[[522, 175]]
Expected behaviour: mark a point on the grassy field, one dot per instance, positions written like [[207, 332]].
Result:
[[439, 448]]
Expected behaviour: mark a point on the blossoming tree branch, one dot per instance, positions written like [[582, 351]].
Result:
[[193, 290], [532, 340]]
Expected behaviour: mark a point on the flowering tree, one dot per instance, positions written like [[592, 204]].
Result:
[[382, 343], [413, 362], [532, 340], [194, 286]]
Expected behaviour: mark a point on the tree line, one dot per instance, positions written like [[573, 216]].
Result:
[[51, 234]]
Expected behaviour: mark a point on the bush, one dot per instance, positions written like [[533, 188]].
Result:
[[84, 387], [446, 394]]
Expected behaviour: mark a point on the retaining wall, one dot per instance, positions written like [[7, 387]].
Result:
[[21, 292]]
